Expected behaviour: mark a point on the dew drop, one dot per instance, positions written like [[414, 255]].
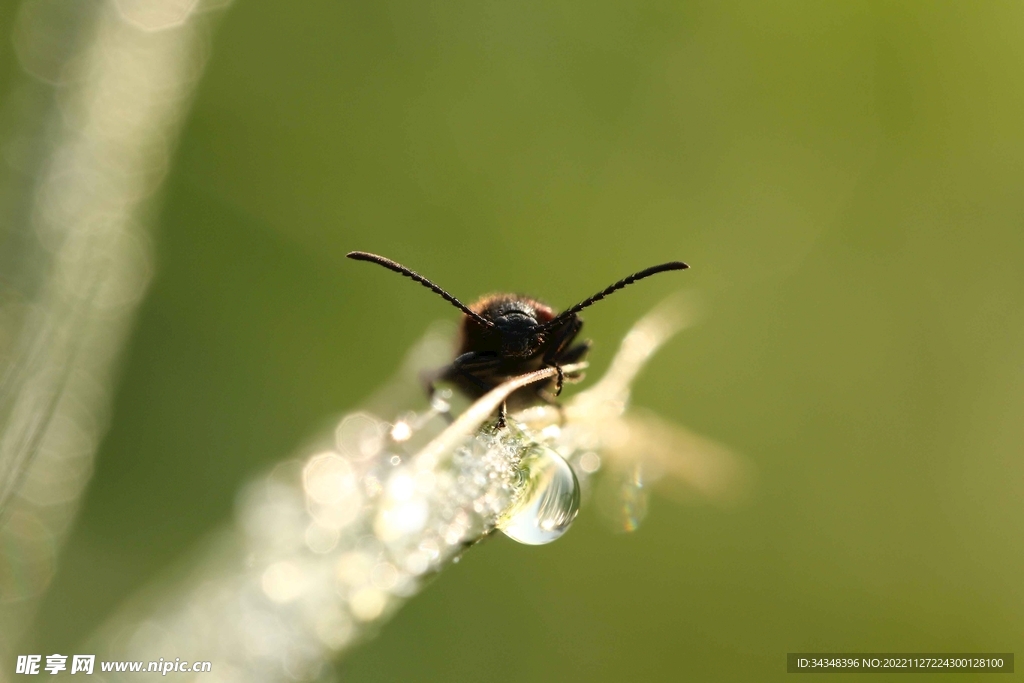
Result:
[[401, 431], [548, 502], [633, 500]]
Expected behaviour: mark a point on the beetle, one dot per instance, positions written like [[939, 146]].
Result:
[[502, 336]]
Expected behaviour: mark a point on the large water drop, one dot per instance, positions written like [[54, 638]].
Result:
[[548, 501]]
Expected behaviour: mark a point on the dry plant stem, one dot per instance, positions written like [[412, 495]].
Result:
[[473, 417], [327, 547], [95, 118]]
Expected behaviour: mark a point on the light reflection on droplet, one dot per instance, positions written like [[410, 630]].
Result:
[[400, 518], [401, 486], [405, 587], [548, 502], [384, 576], [455, 532], [371, 485], [417, 562], [328, 478], [368, 603], [338, 515], [334, 630], [425, 481], [551, 431], [633, 500], [354, 568], [431, 549], [359, 437], [401, 431], [283, 581], [333, 499], [370, 545], [590, 462], [321, 539], [440, 401]]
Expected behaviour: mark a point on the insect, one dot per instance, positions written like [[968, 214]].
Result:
[[507, 335]]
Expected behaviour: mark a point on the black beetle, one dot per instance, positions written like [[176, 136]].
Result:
[[507, 335]]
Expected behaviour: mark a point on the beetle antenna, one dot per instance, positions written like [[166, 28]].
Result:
[[624, 282], [402, 270]]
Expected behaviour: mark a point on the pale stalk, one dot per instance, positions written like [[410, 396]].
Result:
[[90, 129], [326, 547]]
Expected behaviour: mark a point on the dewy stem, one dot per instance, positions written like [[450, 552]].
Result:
[[326, 547], [91, 123], [474, 416]]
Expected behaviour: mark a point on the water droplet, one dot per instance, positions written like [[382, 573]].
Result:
[[366, 604], [590, 462], [548, 501], [321, 539], [623, 499], [633, 502], [440, 401], [401, 431], [358, 436]]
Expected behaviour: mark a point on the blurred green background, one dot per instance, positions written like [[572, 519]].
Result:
[[845, 180]]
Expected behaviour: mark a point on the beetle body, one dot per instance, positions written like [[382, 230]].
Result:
[[518, 343]]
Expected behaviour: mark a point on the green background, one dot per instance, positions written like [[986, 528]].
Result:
[[846, 180]]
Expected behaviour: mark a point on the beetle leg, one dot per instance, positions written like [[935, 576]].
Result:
[[556, 356], [574, 355], [563, 338], [559, 379], [465, 365]]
